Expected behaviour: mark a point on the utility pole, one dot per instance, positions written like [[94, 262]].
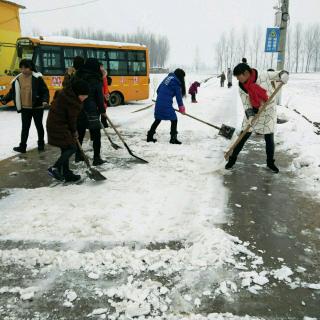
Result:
[[283, 34], [283, 37]]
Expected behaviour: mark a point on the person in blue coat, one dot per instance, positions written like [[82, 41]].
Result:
[[172, 86]]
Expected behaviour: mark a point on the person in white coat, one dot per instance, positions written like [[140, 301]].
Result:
[[255, 88]]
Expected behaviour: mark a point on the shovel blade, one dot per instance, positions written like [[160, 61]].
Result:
[[226, 131], [95, 175]]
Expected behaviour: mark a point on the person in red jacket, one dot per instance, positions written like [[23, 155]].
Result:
[[105, 91], [193, 90]]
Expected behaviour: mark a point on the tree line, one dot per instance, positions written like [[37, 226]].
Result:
[[302, 49], [158, 45]]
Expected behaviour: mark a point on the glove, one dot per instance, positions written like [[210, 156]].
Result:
[[104, 122], [182, 109], [251, 112], [284, 76]]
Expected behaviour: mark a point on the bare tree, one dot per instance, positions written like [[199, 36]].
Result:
[[297, 43]]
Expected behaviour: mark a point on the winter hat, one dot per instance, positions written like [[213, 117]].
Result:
[[93, 65], [80, 87]]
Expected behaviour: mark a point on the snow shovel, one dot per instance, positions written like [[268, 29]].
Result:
[[120, 137], [224, 130], [92, 173], [144, 108], [113, 145], [253, 122]]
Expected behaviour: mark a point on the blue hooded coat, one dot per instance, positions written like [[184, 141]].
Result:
[[169, 88]]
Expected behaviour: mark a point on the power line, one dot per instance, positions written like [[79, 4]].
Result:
[[60, 8]]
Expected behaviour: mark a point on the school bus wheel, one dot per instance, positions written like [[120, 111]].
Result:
[[115, 99]]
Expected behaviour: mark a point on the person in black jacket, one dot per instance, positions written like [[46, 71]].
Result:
[[93, 108], [30, 95]]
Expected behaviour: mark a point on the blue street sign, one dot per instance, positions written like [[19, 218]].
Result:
[[272, 40]]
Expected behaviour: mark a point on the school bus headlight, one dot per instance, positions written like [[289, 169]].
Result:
[[3, 88]]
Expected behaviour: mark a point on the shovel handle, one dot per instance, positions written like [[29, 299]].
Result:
[[251, 125], [207, 123], [86, 160]]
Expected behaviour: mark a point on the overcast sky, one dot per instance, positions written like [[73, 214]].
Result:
[[187, 23]]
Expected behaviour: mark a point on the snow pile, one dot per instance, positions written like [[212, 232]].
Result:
[[298, 137]]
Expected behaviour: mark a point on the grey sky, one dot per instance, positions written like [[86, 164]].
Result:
[[187, 23]]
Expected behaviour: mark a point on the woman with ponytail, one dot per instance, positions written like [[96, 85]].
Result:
[[172, 86]]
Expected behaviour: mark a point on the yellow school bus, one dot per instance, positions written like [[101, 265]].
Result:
[[127, 64]]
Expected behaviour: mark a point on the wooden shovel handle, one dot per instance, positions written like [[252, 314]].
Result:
[[251, 125]]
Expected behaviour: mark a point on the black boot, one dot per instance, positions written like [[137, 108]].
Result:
[[97, 161], [78, 157], [22, 148], [69, 176], [40, 145], [232, 160], [55, 173], [272, 166], [174, 139], [150, 137]]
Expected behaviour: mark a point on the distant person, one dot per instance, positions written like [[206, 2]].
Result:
[[222, 77], [30, 95], [193, 90], [62, 127], [255, 89], [172, 86], [229, 78], [244, 60], [78, 62], [93, 108]]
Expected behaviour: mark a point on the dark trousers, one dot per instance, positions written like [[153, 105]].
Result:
[[62, 164], [95, 136], [269, 139], [156, 122], [229, 84], [26, 117], [221, 83], [193, 97]]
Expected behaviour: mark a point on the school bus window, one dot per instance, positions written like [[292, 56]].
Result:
[[78, 52], [118, 68], [136, 56], [52, 62], [91, 53], [68, 52], [117, 55], [137, 68], [101, 55]]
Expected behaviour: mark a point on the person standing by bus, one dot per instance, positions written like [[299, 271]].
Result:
[[93, 108], [105, 91], [30, 95], [172, 86], [62, 127]]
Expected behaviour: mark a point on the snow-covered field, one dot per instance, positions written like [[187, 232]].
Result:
[[178, 197]]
